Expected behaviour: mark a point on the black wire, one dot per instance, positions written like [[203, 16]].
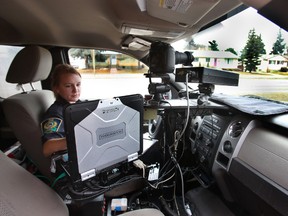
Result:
[[93, 190], [182, 180], [168, 171]]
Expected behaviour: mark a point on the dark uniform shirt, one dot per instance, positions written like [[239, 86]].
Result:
[[52, 124]]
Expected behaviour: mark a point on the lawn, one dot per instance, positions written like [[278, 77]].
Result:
[[277, 96]]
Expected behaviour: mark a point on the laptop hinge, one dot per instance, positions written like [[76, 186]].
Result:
[[87, 175], [132, 157]]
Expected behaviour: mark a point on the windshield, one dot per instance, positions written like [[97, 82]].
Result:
[[246, 44]]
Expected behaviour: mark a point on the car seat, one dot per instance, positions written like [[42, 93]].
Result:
[[22, 194], [24, 111]]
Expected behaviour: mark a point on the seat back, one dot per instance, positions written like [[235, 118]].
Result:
[[24, 111], [22, 194]]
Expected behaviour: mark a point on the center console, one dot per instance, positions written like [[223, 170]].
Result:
[[205, 135]]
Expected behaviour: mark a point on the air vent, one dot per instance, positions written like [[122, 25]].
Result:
[[235, 129]]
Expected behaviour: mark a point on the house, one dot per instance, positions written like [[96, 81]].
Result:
[[273, 62], [214, 59]]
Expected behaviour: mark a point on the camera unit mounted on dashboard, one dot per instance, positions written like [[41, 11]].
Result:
[[163, 58], [162, 61]]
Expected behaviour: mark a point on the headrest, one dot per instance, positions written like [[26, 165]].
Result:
[[31, 64]]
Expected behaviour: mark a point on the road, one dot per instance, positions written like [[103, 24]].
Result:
[[100, 87], [95, 87], [247, 86]]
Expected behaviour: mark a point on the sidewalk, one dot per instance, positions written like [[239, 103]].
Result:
[[258, 75]]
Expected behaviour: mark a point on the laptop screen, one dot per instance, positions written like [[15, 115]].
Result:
[[103, 133]]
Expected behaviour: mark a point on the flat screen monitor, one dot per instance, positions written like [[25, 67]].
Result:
[[103, 133]]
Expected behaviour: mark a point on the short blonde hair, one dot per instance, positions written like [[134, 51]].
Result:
[[58, 71]]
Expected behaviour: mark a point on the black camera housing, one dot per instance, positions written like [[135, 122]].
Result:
[[163, 58]]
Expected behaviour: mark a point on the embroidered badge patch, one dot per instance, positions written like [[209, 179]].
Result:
[[51, 125]]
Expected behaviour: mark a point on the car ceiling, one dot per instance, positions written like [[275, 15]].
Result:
[[98, 23]]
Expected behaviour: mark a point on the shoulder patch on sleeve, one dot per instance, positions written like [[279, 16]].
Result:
[[51, 125]]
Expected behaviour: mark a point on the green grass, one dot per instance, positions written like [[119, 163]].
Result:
[[277, 96]]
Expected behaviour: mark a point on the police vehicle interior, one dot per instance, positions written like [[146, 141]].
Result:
[[180, 151]]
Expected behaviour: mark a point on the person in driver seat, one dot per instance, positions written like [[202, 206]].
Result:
[[66, 85]]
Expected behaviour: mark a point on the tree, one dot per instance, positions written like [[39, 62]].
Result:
[[213, 45], [87, 55], [231, 50], [191, 45], [279, 45], [253, 49], [261, 45], [81, 53]]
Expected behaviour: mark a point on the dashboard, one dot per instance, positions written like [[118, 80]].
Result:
[[245, 155]]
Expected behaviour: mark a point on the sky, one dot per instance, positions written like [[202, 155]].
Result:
[[233, 33]]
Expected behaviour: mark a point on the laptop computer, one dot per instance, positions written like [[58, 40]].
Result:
[[103, 133]]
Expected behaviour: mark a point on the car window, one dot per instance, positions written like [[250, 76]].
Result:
[[7, 54], [108, 74]]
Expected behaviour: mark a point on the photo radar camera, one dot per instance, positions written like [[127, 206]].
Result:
[[163, 58], [162, 61]]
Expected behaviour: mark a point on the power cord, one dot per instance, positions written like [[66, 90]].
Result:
[[139, 164]]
